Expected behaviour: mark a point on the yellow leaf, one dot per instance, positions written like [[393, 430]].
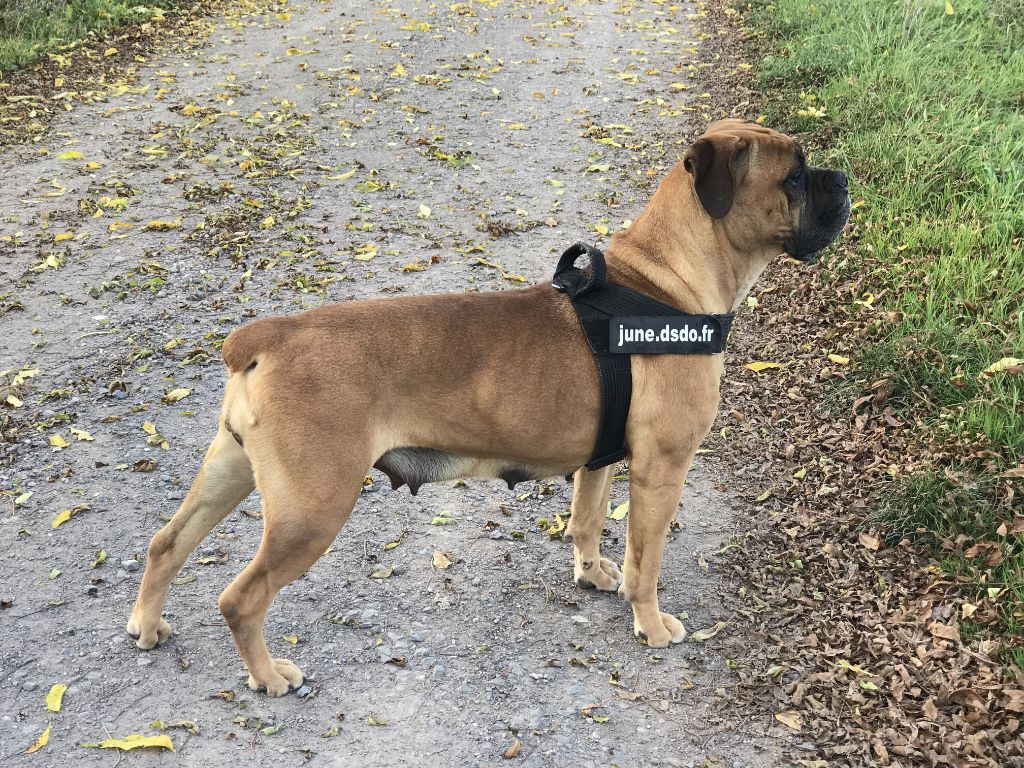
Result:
[[191, 109], [71, 154], [58, 82], [839, 359], [110, 52], [40, 742], [424, 212], [58, 442], [135, 740], [149, 427], [81, 434], [93, 166], [61, 518], [517, 126], [23, 498], [293, 639], [399, 71], [949, 8], [620, 512], [174, 396], [346, 175], [55, 696], [160, 226], [601, 229], [441, 561], [759, 366], [383, 573], [63, 236], [1004, 364], [12, 400]]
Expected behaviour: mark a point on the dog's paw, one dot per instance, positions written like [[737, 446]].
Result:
[[669, 630], [284, 676], [603, 575], [150, 637]]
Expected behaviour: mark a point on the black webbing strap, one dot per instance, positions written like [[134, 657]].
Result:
[[619, 322]]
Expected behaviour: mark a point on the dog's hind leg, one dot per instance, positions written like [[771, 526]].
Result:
[[302, 513], [589, 506], [223, 481]]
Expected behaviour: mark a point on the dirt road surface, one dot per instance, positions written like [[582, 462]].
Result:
[[328, 152]]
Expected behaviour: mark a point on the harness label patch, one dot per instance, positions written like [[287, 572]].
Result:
[[684, 335]]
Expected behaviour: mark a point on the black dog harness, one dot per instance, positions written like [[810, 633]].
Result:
[[620, 322]]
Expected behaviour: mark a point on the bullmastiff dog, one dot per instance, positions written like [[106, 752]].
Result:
[[491, 385]]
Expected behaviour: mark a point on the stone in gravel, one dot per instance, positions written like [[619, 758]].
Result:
[[130, 565], [303, 691], [30, 686], [497, 535], [144, 661]]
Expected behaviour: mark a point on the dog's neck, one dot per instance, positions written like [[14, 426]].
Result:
[[675, 252]]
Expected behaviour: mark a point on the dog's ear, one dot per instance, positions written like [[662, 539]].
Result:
[[715, 165]]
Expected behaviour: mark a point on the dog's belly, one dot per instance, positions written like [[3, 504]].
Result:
[[414, 466]]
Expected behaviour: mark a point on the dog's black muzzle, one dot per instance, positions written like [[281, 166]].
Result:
[[825, 213]]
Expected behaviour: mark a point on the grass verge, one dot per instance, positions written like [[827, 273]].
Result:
[[924, 103], [30, 29]]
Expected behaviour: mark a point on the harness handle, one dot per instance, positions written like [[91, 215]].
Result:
[[572, 280]]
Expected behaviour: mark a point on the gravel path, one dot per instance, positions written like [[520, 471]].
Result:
[[326, 152]]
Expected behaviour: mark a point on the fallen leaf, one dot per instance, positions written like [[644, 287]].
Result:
[[929, 710], [514, 749], [790, 719], [424, 212], [870, 541], [839, 359], [176, 394], [40, 742], [702, 635], [71, 154], [383, 573], [55, 696], [65, 515], [58, 442], [293, 639], [441, 561], [759, 365], [1007, 364], [134, 741], [101, 558], [81, 434], [620, 512]]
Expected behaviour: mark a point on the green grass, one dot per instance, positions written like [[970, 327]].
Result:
[[29, 29], [926, 111]]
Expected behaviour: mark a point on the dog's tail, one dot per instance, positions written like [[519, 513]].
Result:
[[244, 346]]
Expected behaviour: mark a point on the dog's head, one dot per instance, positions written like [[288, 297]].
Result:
[[755, 182]]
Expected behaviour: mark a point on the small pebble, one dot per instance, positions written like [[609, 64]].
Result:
[[130, 565]]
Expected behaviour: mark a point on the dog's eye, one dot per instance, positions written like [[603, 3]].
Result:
[[794, 178]]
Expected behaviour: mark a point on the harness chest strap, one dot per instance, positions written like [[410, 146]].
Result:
[[619, 323]]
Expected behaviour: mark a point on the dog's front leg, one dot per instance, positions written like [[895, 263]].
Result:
[[586, 523], [655, 487]]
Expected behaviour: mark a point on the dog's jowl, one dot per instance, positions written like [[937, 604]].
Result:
[[435, 388]]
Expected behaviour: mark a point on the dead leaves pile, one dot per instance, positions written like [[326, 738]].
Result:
[[860, 648]]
